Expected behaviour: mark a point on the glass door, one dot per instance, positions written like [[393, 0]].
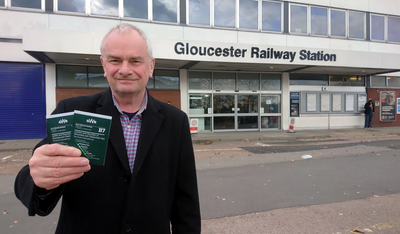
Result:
[[247, 112], [235, 112], [224, 112]]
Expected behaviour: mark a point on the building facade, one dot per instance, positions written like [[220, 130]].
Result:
[[231, 65]]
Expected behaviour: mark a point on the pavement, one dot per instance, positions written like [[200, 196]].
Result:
[[273, 135]]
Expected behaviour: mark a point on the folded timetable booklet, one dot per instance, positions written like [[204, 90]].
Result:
[[86, 131], [60, 127]]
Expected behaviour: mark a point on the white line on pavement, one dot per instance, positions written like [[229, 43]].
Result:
[[206, 150], [7, 157]]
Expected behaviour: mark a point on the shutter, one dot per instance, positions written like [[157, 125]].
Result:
[[22, 101]]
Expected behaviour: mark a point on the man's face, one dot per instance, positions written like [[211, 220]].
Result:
[[126, 63], [389, 99]]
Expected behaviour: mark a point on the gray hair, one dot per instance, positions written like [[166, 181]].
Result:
[[123, 28]]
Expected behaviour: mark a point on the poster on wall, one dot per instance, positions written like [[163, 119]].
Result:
[[311, 102], [349, 102], [336, 102], [362, 99], [388, 106], [325, 102]]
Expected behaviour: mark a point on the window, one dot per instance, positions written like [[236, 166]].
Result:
[[96, 77], [2, 3], [104, 7], [393, 81], [164, 79], [200, 80], [378, 27], [71, 76], [247, 104], [71, 6], [224, 81], [33, 4], [199, 12], [271, 103], [81, 77], [378, 81], [224, 13], [356, 25], [270, 82], [338, 23], [203, 124], [271, 16], [298, 19], [309, 79], [319, 21], [340, 80], [165, 11], [136, 9], [271, 122], [393, 29], [249, 81], [200, 103], [248, 14]]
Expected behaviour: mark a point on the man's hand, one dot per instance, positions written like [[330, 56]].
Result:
[[55, 164]]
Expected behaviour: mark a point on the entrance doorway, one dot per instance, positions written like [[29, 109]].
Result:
[[236, 112]]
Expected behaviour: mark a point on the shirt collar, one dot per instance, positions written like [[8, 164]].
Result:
[[141, 110]]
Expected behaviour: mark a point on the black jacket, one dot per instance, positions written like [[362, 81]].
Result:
[[369, 110], [109, 199]]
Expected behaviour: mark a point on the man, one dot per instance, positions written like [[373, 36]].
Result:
[[369, 110], [148, 183]]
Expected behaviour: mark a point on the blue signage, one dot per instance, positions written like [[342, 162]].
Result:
[[398, 105], [294, 95]]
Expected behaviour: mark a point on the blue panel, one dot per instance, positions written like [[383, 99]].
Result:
[[22, 101]]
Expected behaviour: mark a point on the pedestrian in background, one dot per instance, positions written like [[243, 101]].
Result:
[[369, 110]]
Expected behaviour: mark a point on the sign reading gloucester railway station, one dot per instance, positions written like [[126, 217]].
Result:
[[253, 52]]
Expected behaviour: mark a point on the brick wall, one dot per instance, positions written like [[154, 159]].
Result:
[[64, 93], [374, 94], [174, 96]]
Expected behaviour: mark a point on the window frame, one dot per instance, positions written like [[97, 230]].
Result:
[[307, 19], [346, 23], [72, 87], [310, 21], [365, 25], [237, 12], [260, 12], [90, 13], [151, 17], [153, 78], [385, 28], [121, 9], [199, 25], [56, 10], [235, 26], [7, 4]]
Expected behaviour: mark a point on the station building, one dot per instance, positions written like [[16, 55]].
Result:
[[231, 65]]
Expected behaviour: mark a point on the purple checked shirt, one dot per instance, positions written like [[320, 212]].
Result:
[[131, 128]]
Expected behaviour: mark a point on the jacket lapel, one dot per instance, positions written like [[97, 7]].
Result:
[[151, 123], [116, 133]]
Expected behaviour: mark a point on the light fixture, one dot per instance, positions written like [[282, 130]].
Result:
[[87, 59], [271, 67]]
